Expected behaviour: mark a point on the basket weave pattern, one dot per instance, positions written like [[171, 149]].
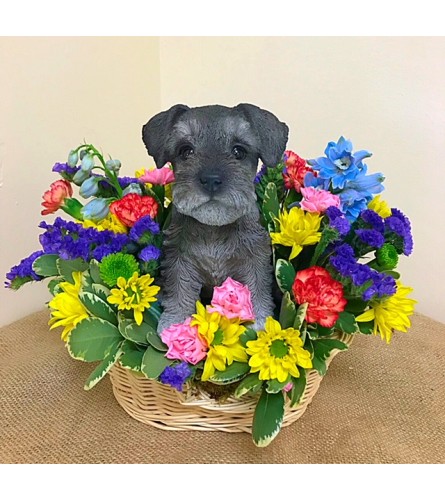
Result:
[[161, 406]]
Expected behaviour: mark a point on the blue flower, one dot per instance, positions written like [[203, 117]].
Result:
[[176, 375], [368, 185], [95, 210], [260, 174], [352, 203], [133, 187], [340, 165], [89, 186]]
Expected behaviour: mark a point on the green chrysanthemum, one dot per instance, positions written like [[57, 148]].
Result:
[[117, 265], [387, 256]]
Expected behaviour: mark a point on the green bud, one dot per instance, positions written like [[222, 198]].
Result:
[[387, 257], [113, 165]]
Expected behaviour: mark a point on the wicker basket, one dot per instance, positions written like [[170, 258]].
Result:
[[161, 406]]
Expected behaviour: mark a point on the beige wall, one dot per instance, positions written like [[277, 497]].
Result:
[[54, 93], [385, 94]]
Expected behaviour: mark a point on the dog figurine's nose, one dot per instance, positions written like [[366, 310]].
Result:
[[211, 182]]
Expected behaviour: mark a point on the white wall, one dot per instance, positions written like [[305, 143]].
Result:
[[385, 94], [54, 93]]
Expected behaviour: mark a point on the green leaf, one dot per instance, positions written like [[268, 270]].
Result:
[[132, 356], [268, 418], [299, 385], [271, 205], [251, 383], [87, 283], [321, 331], [92, 339], [154, 363], [366, 327], [95, 272], [355, 305], [123, 322], [285, 275], [136, 333], [53, 286], [322, 350], [346, 323], [98, 307], [155, 341], [66, 268], [300, 316], [328, 236], [103, 292], [232, 373], [288, 311], [152, 315], [46, 265], [103, 368], [247, 335], [273, 386], [394, 274]]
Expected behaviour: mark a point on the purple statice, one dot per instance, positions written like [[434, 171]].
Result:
[[382, 285], [338, 221], [64, 169], [143, 226], [373, 219], [260, 174], [361, 274], [149, 253], [371, 237], [344, 261], [176, 375], [23, 271], [399, 224], [124, 182], [70, 240]]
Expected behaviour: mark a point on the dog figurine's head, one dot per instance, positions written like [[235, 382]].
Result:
[[214, 151]]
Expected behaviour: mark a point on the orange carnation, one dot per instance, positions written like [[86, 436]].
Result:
[[132, 207]]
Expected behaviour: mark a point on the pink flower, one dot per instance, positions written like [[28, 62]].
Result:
[[233, 300], [318, 200], [160, 176], [54, 198], [288, 387], [184, 342]]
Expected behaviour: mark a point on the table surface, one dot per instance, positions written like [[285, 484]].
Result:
[[378, 403]]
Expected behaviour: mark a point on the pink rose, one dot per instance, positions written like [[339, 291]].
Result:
[[233, 300], [184, 342], [160, 176], [318, 200]]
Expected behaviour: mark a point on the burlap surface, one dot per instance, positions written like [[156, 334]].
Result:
[[377, 404]]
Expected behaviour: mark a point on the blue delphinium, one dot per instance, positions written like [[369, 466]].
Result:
[[176, 375], [339, 165]]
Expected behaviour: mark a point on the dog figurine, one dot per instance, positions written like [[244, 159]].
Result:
[[215, 230]]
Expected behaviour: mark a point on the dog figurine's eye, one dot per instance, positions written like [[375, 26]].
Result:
[[239, 152], [185, 152]]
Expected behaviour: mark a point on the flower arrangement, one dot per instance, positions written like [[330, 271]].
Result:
[[336, 245]]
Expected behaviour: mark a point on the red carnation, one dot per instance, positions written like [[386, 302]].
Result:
[[296, 169], [323, 294], [132, 207], [55, 197]]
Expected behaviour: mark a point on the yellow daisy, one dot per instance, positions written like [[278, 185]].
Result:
[[67, 309], [391, 313], [297, 229], [277, 352], [222, 337], [136, 294], [380, 206], [110, 223]]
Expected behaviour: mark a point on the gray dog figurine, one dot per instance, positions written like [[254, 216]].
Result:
[[215, 231]]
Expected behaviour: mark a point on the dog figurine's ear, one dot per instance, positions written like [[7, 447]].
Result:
[[272, 133], [155, 131]]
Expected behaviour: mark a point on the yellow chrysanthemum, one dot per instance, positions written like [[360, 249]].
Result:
[[222, 336], [380, 206], [110, 223], [67, 309], [136, 294], [297, 229], [276, 352], [391, 313]]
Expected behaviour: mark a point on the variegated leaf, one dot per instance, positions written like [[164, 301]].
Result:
[[103, 367]]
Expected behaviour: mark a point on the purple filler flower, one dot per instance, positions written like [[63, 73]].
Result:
[[371, 237], [64, 168], [338, 221], [23, 270], [373, 219], [176, 375], [150, 253], [144, 225]]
